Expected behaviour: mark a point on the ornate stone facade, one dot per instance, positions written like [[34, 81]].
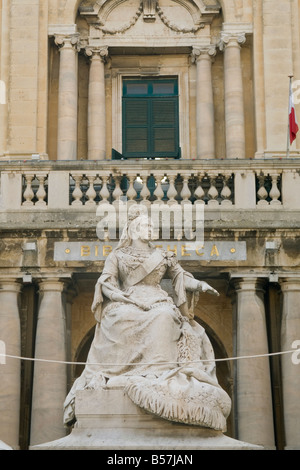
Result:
[[63, 66]]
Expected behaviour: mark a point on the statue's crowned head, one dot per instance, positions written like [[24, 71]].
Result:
[[138, 226]]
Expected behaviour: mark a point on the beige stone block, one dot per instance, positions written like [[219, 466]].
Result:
[[290, 188], [11, 190], [244, 189], [58, 195]]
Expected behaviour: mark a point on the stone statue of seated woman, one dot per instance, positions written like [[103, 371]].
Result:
[[147, 342]]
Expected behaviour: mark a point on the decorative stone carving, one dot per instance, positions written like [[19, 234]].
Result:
[[226, 38], [149, 8], [125, 27], [101, 51], [198, 50], [97, 15], [72, 40], [177, 28], [148, 344]]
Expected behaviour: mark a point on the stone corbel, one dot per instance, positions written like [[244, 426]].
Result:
[[227, 37]]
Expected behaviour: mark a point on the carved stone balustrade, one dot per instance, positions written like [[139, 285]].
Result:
[[217, 184]]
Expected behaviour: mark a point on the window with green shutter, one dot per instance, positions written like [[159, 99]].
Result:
[[150, 122]]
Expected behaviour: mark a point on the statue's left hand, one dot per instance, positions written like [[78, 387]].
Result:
[[204, 287]]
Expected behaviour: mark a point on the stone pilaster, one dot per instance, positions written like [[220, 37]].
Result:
[[4, 76], [290, 333], [50, 378], [96, 104], [10, 371], [67, 97], [204, 102], [234, 96], [253, 382]]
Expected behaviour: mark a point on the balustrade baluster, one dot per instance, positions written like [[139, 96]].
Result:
[[28, 193], [117, 192], [145, 193], [41, 192], [199, 191], [262, 193], [185, 192], [213, 192], [158, 190], [91, 193], [172, 192], [226, 192], [131, 192], [104, 193], [77, 193], [274, 192]]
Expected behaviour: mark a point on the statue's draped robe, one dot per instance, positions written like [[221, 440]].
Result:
[[149, 350]]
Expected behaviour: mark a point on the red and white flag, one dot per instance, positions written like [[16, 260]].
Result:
[[293, 124]]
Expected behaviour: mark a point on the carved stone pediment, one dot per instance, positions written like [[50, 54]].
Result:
[[153, 17]]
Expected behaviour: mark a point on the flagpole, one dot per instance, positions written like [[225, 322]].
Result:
[[288, 132]]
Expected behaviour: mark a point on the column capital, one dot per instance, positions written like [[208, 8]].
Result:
[[205, 51], [290, 284], [71, 41], [231, 39], [249, 283], [10, 285], [52, 284], [97, 51]]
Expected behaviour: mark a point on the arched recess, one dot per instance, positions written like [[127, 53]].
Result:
[[82, 352]]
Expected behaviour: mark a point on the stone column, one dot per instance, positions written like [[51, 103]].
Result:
[[50, 379], [204, 102], [290, 333], [253, 382], [10, 371], [67, 97], [96, 104], [234, 99]]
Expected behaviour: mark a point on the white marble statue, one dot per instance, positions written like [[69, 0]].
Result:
[[147, 343]]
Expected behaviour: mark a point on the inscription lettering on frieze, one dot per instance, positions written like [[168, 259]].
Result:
[[97, 251]]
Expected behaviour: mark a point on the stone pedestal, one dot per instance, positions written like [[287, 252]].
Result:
[[109, 420]]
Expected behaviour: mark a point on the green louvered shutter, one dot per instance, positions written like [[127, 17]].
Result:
[[164, 127], [136, 126], [150, 120]]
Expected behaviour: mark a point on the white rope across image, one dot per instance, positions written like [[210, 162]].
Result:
[[295, 352]]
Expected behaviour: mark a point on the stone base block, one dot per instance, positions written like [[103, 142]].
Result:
[[109, 420]]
